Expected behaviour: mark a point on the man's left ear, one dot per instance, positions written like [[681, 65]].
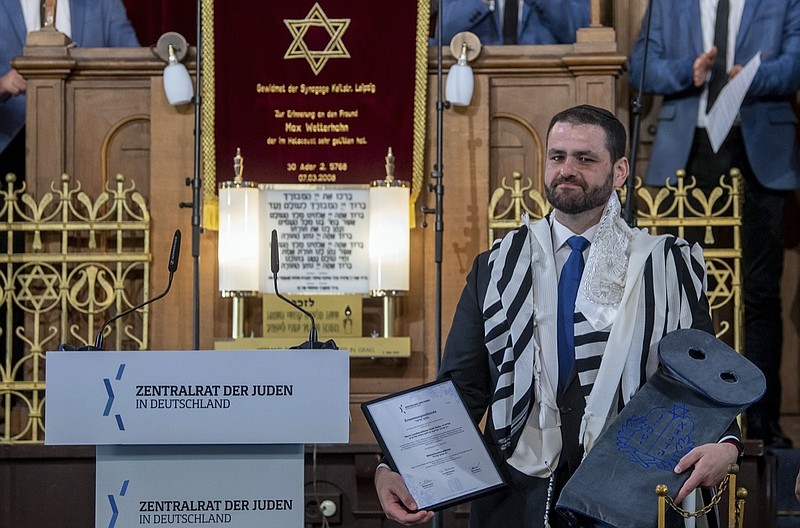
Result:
[[621, 168]]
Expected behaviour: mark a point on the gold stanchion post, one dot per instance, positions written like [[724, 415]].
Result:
[[661, 491]]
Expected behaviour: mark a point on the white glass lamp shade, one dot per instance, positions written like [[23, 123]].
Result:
[[239, 238], [458, 90], [177, 83], [388, 237]]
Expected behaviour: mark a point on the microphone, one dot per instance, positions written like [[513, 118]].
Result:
[[174, 255], [275, 265], [274, 260]]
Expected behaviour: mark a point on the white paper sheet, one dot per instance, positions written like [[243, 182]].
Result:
[[726, 107]]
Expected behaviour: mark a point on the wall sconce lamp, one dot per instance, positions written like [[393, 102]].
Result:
[[239, 239], [171, 48], [389, 240], [466, 47]]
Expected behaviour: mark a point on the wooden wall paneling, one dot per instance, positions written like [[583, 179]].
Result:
[[599, 89], [45, 108], [522, 106], [516, 147], [630, 23], [172, 155], [519, 131], [465, 179], [627, 17], [790, 290], [127, 150], [100, 109], [43, 486], [533, 99]]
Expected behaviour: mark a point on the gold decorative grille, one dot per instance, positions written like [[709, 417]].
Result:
[[70, 264], [712, 217]]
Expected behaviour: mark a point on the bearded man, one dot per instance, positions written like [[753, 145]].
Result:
[[531, 328]]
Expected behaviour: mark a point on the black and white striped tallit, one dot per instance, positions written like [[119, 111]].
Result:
[[670, 283], [508, 330]]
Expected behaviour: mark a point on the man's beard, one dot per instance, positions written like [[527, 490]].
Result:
[[577, 202]]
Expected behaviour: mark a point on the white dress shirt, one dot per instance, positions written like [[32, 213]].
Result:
[[30, 11], [561, 234]]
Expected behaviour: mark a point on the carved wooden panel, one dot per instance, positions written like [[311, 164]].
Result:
[[102, 109]]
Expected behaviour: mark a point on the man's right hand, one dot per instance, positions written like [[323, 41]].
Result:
[[797, 486], [396, 501], [11, 83], [702, 66]]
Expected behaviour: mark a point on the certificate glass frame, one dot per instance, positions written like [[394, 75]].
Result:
[[432, 442]]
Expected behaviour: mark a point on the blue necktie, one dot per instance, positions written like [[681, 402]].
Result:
[[567, 292]]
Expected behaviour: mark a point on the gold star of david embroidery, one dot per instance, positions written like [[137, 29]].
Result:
[[317, 58]]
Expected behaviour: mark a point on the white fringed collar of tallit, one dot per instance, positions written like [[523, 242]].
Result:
[[603, 281]]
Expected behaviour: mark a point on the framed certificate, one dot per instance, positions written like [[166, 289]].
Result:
[[433, 444]]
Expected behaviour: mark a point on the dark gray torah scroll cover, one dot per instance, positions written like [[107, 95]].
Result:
[[700, 387]]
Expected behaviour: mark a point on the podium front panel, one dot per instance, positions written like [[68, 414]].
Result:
[[197, 397], [247, 486]]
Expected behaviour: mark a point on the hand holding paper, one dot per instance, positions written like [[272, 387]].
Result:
[[726, 108]]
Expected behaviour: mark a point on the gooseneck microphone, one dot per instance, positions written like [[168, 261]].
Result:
[[174, 255], [276, 267]]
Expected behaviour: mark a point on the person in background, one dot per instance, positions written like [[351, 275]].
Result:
[[530, 330], [692, 53], [527, 22], [89, 23]]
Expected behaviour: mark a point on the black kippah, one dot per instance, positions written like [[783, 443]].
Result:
[[597, 110]]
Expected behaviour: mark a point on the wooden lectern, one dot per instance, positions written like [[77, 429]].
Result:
[[195, 436]]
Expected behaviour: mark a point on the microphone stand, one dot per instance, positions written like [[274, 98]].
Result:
[[636, 110], [196, 184], [438, 189]]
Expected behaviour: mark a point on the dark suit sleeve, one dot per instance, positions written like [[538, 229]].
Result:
[[779, 73], [563, 18], [670, 65], [467, 15], [119, 32], [465, 359]]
